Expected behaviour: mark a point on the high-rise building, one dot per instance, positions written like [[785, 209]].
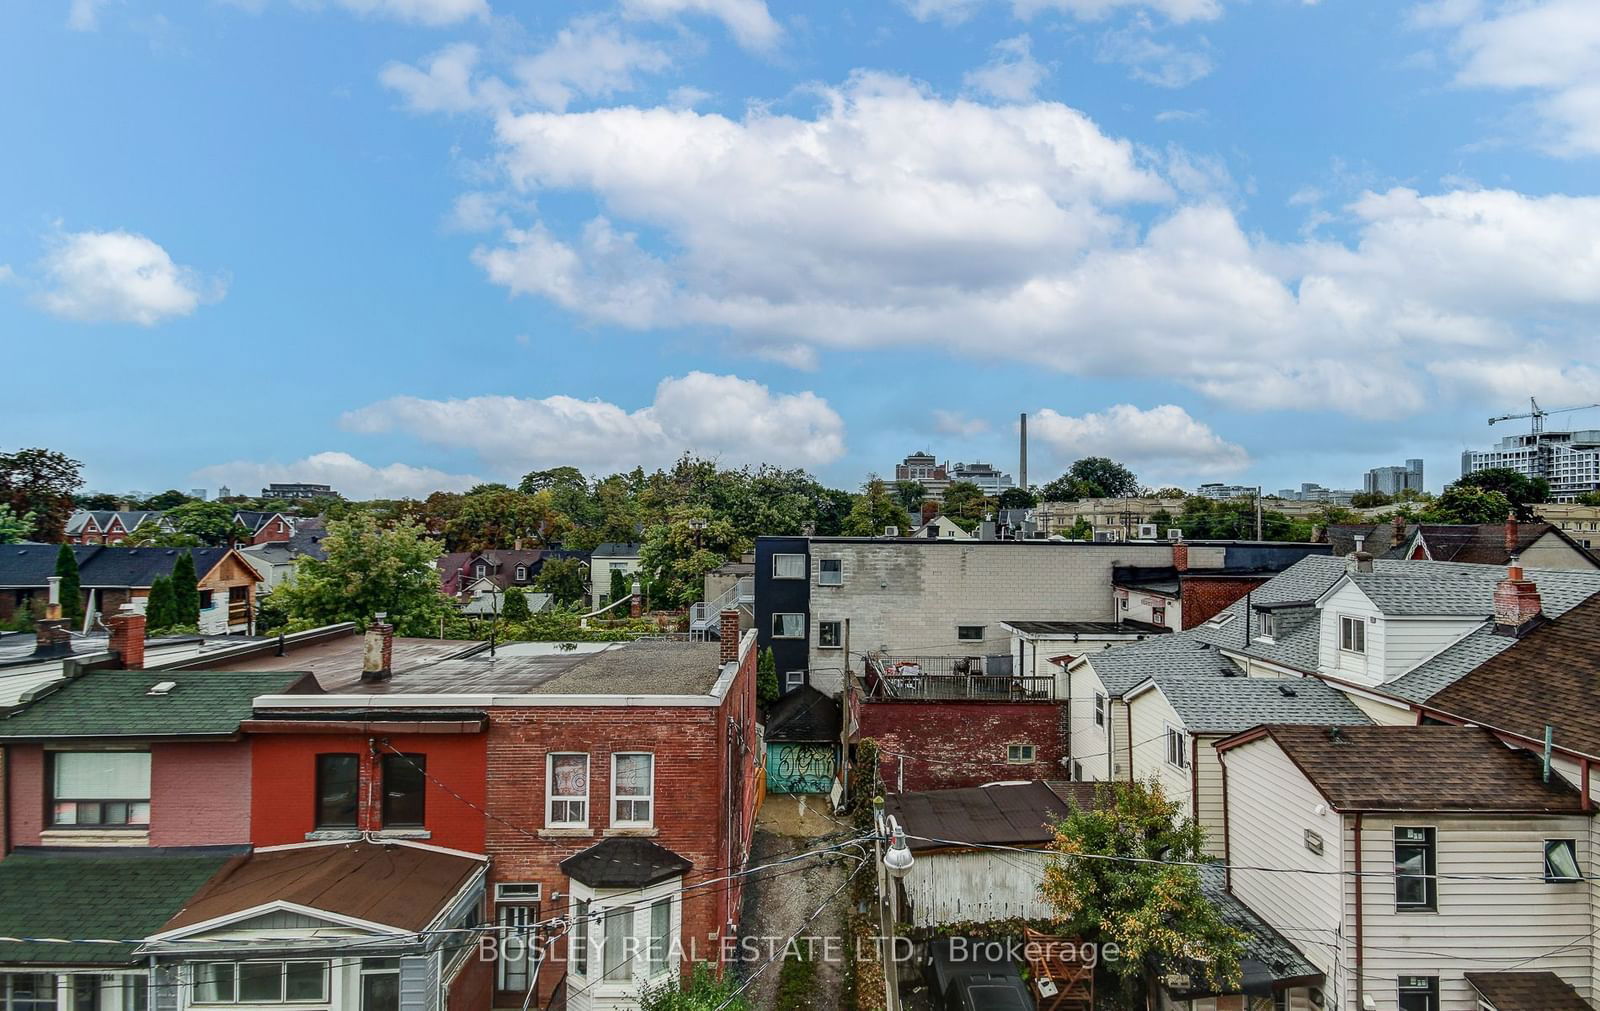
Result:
[[1570, 461], [1394, 480], [925, 470], [984, 475]]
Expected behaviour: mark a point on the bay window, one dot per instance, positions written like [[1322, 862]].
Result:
[[632, 789], [100, 789], [261, 983], [627, 944]]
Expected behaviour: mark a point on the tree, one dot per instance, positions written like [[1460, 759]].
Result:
[[161, 607], [100, 501], [872, 511], [677, 554], [169, 499], [705, 991], [516, 608], [1018, 498], [42, 482], [1170, 492], [497, 517], [766, 678], [14, 528], [1065, 488], [619, 586], [965, 503], [910, 495], [1100, 477], [1370, 499], [71, 594], [185, 591], [1081, 530], [210, 523], [563, 579], [370, 568], [1589, 498], [1521, 491], [1149, 902], [1464, 503]]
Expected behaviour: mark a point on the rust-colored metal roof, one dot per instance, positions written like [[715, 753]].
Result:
[[395, 884]]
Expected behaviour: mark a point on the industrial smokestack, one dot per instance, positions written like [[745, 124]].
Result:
[[1022, 477]]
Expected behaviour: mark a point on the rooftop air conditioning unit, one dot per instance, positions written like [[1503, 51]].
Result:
[[1174, 534], [891, 531], [1105, 536], [1147, 531]]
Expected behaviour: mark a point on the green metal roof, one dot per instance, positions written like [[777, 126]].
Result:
[[119, 703], [93, 895]]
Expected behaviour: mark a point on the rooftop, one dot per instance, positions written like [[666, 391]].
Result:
[[1212, 704], [624, 862], [1007, 814], [1419, 769], [1527, 991], [145, 703], [1074, 629], [804, 715], [1275, 955], [32, 565]]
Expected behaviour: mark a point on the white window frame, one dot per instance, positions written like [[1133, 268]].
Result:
[[283, 981], [787, 614], [1021, 754], [838, 639], [516, 905], [780, 556], [1177, 754], [550, 797], [1559, 879], [1267, 626], [639, 902], [1102, 709], [649, 798], [1347, 643], [794, 678], [522, 573], [822, 572], [480, 570]]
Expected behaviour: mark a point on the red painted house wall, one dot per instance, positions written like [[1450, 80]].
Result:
[[704, 798], [954, 744], [1204, 599], [284, 784]]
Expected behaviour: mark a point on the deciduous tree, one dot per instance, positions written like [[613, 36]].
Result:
[[370, 568], [516, 608], [1465, 503], [14, 528], [965, 503], [42, 482], [1521, 491], [563, 579], [873, 510]]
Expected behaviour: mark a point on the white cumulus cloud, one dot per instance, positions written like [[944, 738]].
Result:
[[956, 11], [956, 423], [1012, 75], [1165, 438], [748, 21], [119, 277], [737, 420], [349, 476]]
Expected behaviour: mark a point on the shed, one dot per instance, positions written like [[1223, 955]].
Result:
[[803, 742]]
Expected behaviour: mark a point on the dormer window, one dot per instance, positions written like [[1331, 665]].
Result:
[[1266, 625], [480, 570], [522, 573], [1352, 634]]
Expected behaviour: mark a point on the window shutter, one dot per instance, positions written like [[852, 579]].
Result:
[[165, 982], [419, 983]]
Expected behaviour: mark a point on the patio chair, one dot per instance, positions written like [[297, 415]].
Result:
[[1060, 977]]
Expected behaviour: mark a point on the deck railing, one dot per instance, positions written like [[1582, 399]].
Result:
[[946, 677]]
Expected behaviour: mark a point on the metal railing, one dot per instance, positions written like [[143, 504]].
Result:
[[706, 613], [948, 677]]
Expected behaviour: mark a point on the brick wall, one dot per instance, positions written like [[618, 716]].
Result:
[[199, 794], [283, 807], [954, 744], [473, 987], [1204, 599]]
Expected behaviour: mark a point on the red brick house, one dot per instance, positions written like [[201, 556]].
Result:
[[260, 527]]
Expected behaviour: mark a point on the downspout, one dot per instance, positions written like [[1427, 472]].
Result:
[[1227, 836], [1588, 801], [1360, 952]]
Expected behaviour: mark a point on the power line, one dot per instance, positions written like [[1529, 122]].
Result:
[[818, 912]]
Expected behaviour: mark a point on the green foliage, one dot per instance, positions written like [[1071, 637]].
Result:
[[1092, 477], [705, 991], [22, 619], [1017, 498], [679, 552], [161, 606], [71, 592], [494, 516], [1154, 912], [1465, 503], [1519, 490], [185, 591], [150, 535], [42, 482], [209, 523], [1170, 492], [797, 978], [965, 503], [516, 605], [100, 501], [14, 528], [873, 510], [910, 495], [1589, 498], [1235, 519], [619, 586], [169, 499], [766, 678], [371, 567], [1370, 499], [563, 579], [560, 625], [1081, 530]]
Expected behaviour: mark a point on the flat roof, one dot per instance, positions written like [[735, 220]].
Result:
[[1081, 628]]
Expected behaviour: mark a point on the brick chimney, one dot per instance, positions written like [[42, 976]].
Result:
[[636, 604], [728, 636], [1398, 524], [1359, 560], [53, 608], [1180, 557], [1511, 536], [377, 655], [127, 637], [1517, 608], [50, 633]]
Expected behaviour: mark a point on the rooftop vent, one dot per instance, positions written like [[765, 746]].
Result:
[[162, 688], [1286, 691]]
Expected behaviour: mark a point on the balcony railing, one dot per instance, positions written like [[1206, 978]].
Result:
[[947, 677]]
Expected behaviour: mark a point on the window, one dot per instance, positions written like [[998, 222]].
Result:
[[830, 572], [788, 625], [830, 634], [405, 790], [1102, 706], [1221, 619], [516, 910], [969, 633], [380, 984], [261, 983], [28, 991], [480, 570], [207, 600], [568, 789], [794, 678], [100, 789], [1177, 748], [788, 566], [658, 942], [1158, 615], [616, 940], [1561, 860], [1419, 993], [1415, 887], [632, 788], [1352, 634], [578, 940], [1123, 602], [338, 790], [522, 573], [1266, 625], [1019, 754]]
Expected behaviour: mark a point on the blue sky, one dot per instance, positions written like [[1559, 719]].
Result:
[[406, 244]]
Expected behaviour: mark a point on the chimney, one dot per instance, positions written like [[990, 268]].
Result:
[[1022, 475], [1359, 560], [1319, 535], [1180, 557], [636, 605], [377, 655], [53, 608], [1511, 536], [127, 637], [517, 544], [728, 636], [1517, 608], [1398, 523], [50, 633]]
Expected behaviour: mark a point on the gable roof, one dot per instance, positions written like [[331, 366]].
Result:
[[804, 714], [1378, 538], [1482, 543], [118, 703], [32, 565], [615, 549], [1424, 768], [254, 519], [121, 895], [400, 885], [1527, 991], [1004, 814], [118, 567], [1551, 677], [624, 862], [1209, 704], [1122, 668]]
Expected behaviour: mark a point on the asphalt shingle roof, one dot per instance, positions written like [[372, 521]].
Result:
[[1527, 991], [117, 703], [614, 549], [1226, 705], [804, 714], [1262, 943], [92, 894], [1122, 667]]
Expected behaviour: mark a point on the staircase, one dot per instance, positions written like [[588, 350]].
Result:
[[705, 618]]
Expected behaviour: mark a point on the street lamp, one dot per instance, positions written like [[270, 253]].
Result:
[[897, 861]]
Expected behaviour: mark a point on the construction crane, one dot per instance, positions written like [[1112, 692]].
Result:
[[1538, 414]]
